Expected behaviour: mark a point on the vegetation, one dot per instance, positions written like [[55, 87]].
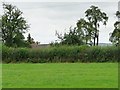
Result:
[[60, 75], [61, 54], [65, 71], [86, 30], [95, 16], [115, 35], [71, 38], [75, 41], [13, 27], [29, 39]]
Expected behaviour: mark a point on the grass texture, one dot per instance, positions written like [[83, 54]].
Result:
[[60, 75]]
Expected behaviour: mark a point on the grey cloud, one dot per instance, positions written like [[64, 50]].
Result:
[[48, 17]]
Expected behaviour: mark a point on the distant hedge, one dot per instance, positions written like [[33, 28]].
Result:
[[61, 54]]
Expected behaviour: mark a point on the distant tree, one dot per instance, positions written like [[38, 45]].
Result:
[[29, 39], [115, 35], [85, 30], [0, 28], [70, 38], [95, 16], [37, 43], [32, 40], [13, 26]]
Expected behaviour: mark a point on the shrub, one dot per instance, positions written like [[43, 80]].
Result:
[[61, 54]]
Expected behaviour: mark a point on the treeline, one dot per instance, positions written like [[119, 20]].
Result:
[[61, 54], [86, 31]]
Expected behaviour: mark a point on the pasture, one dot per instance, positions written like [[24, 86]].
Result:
[[60, 75]]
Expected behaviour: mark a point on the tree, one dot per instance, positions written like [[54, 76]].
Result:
[[29, 39], [95, 16], [13, 26], [0, 29], [71, 38], [115, 35], [85, 30]]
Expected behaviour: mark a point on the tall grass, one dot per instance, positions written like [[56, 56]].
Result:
[[61, 54]]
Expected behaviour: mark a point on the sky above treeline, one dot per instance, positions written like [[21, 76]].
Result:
[[45, 18]]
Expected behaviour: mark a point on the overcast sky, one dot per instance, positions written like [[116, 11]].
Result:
[[47, 17]]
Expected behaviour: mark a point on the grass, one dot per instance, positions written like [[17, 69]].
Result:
[[60, 75], [0, 76]]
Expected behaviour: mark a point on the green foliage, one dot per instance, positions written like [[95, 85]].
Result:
[[29, 39], [115, 35], [95, 16], [71, 38], [61, 54], [13, 26], [87, 29]]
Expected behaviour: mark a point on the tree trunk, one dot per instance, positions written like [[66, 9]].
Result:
[[94, 41], [86, 41], [97, 39]]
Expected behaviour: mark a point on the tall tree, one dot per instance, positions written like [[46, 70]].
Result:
[[85, 30], [115, 35], [0, 29], [95, 16], [13, 25]]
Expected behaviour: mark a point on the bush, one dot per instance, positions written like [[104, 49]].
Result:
[[61, 54]]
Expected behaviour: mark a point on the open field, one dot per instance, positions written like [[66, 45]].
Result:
[[60, 75], [0, 76]]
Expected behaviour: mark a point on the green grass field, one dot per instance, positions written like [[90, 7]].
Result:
[[0, 76], [60, 75]]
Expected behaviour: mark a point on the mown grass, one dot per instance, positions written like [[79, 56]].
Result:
[[0, 76], [60, 75], [0, 65]]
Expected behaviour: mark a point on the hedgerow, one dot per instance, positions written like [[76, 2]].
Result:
[[61, 54]]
